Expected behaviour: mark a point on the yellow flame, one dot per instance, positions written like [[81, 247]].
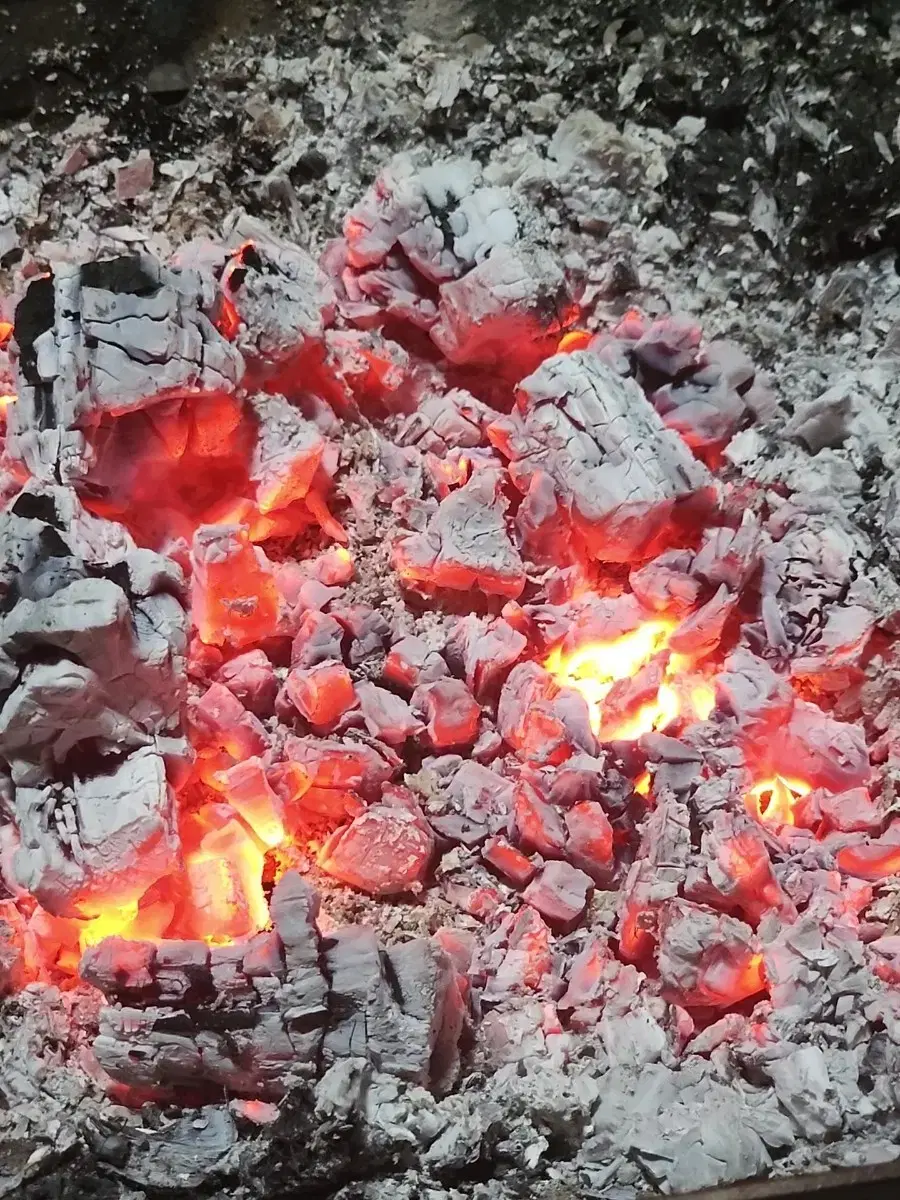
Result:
[[113, 922], [595, 667], [772, 800]]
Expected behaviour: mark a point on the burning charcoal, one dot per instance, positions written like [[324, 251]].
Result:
[[750, 690], [263, 956], [700, 633], [384, 852], [579, 780], [537, 825], [654, 877], [455, 419], [618, 470], [852, 811], [835, 656], [668, 347], [108, 337], [111, 838], [322, 693], [406, 208], [121, 969], [251, 677], [223, 872], [386, 716], [729, 557], [535, 724], [13, 971], [665, 584], [873, 858], [560, 894], [486, 652], [525, 959], [353, 766], [450, 711], [702, 409], [234, 595], [222, 722], [494, 314], [367, 628], [508, 861], [334, 568], [287, 453], [247, 790], [410, 663], [542, 522], [485, 797], [828, 753], [280, 300], [466, 544], [590, 844], [319, 639], [735, 873], [705, 959]]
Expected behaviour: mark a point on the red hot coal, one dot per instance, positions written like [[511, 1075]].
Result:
[[384, 575]]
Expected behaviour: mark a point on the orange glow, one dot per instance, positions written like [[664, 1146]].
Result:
[[248, 792], [114, 922], [593, 670], [7, 399], [575, 339], [772, 801], [6, 329], [642, 783], [225, 879], [753, 978]]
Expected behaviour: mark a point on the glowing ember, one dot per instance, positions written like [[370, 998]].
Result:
[[115, 922], [575, 339], [6, 329], [596, 668], [225, 878], [772, 801]]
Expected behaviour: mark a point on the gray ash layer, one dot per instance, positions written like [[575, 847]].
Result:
[[635, 1102]]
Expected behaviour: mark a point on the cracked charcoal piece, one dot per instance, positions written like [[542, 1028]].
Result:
[[109, 337], [337, 996], [466, 544], [384, 851], [620, 474], [283, 300]]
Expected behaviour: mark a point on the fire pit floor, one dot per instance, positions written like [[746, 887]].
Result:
[[449, 668]]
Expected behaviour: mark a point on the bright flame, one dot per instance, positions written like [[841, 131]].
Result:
[[642, 783], [575, 339], [772, 801], [594, 668], [6, 329], [114, 922], [6, 399]]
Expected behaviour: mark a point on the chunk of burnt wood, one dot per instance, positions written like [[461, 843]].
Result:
[[620, 473], [108, 337], [466, 544]]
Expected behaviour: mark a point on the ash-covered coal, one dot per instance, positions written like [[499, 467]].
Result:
[[412, 714]]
